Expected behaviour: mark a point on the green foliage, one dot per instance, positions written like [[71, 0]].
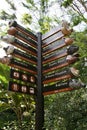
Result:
[[67, 111], [27, 18], [5, 16], [19, 110], [81, 41], [30, 2], [67, 3], [30, 5], [4, 75], [76, 10], [45, 24], [76, 19], [11, 3], [16, 110]]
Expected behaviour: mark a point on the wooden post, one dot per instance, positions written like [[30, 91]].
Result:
[[39, 97]]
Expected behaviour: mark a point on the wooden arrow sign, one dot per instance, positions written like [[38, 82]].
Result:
[[17, 87], [58, 91], [56, 86], [60, 64], [57, 45], [66, 74], [51, 32], [13, 31], [25, 77], [54, 75], [24, 47], [23, 66], [23, 30], [5, 60], [55, 79], [55, 34], [69, 85], [24, 56], [17, 43], [59, 54]]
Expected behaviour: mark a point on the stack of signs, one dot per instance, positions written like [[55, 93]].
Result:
[[23, 72], [58, 54]]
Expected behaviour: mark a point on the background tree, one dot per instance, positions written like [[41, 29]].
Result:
[[77, 9]]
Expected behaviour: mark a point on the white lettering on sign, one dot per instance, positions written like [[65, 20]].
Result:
[[24, 89], [24, 77], [32, 79], [16, 74], [15, 87], [32, 90]]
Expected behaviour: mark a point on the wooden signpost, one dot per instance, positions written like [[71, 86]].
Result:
[[41, 64]]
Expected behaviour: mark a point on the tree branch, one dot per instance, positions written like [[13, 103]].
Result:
[[77, 8], [83, 4]]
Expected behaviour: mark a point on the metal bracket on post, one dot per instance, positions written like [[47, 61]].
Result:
[[39, 120]]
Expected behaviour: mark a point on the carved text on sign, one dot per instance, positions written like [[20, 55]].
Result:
[[15, 87], [16, 75], [22, 88], [22, 76]]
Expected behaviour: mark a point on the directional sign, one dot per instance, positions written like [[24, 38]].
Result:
[[51, 32], [60, 64], [69, 85], [54, 79], [54, 35], [19, 75], [23, 66], [40, 63], [19, 35], [65, 74], [61, 73], [23, 30], [24, 47], [53, 39], [57, 45], [59, 54], [10, 50], [56, 88], [17, 87], [58, 91], [21, 45], [24, 56]]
